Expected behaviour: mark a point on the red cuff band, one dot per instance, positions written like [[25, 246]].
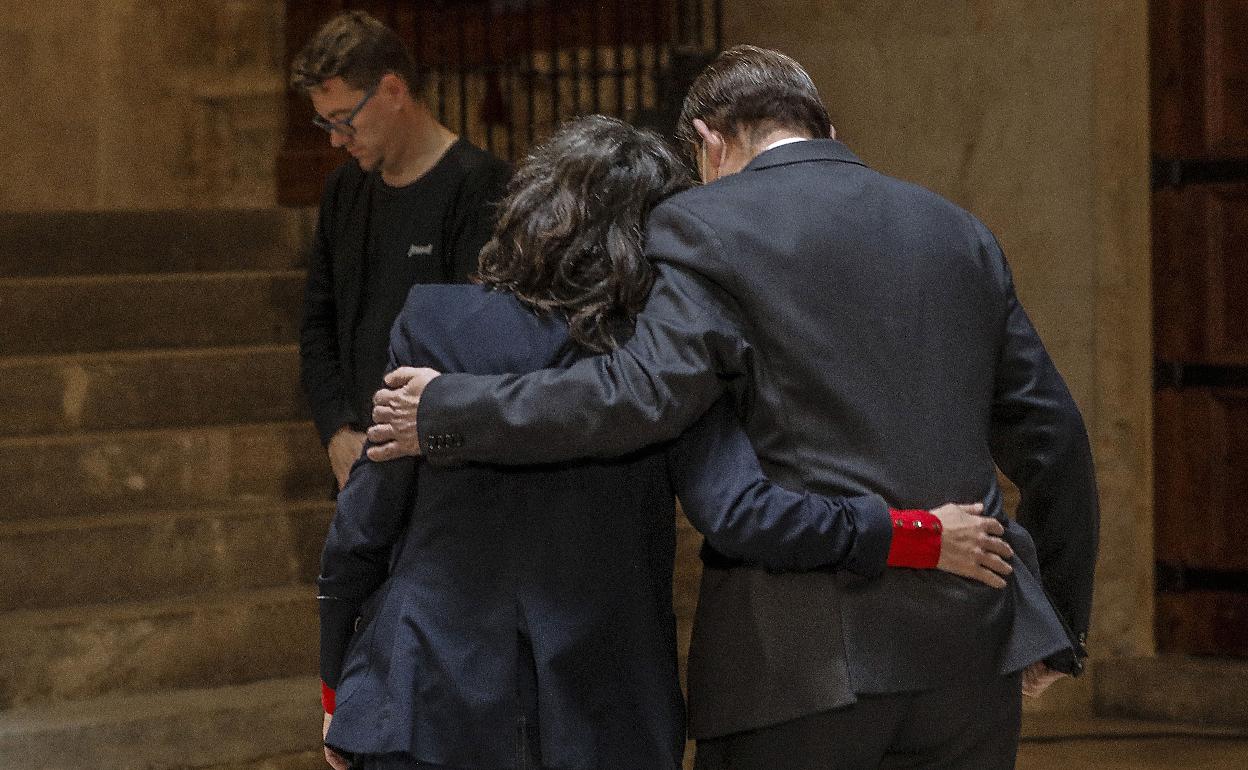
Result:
[[327, 698], [916, 539]]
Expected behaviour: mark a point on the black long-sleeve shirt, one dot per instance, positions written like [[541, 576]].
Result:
[[373, 243]]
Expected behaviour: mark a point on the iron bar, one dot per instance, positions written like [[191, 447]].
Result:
[[718, 42], [440, 69], [531, 49], [575, 65], [530, 45], [488, 68], [639, 97], [554, 62], [463, 76], [656, 48], [595, 66], [620, 74]]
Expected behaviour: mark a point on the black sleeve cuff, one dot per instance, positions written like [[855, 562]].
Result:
[[868, 556], [1070, 660], [338, 618]]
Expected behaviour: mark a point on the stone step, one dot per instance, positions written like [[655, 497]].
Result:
[[1173, 688], [158, 555], [149, 389], [133, 312], [94, 473], [214, 640], [313, 759], [226, 727], [107, 243]]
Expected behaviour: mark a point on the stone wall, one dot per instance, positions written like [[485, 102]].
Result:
[[140, 104], [1034, 116]]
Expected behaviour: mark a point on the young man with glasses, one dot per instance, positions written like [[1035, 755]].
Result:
[[412, 206]]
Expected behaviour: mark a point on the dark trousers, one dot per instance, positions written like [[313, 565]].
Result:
[[964, 726]]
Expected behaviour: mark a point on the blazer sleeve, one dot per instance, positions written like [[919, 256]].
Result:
[[320, 368], [743, 515], [687, 343], [369, 519], [1040, 443]]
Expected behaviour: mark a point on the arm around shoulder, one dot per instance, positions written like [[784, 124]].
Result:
[[644, 392]]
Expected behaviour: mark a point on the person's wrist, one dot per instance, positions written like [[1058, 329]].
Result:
[[328, 698], [916, 539]]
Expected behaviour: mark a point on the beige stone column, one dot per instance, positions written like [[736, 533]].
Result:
[[131, 104]]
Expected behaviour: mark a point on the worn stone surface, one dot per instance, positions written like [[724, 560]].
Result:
[[1197, 690], [228, 728], [303, 760], [145, 470], [67, 315], [63, 562], [1055, 742], [158, 389], [215, 639], [122, 104], [110, 243], [166, 500]]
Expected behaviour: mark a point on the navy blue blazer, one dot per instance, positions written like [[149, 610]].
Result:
[[447, 567]]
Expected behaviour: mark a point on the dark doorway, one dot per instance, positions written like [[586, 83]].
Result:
[[1200, 301], [504, 73]]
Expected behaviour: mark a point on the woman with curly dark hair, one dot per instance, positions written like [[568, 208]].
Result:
[[489, 617]]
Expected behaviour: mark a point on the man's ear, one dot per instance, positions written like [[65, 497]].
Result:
[[392, 86], [714, 146]]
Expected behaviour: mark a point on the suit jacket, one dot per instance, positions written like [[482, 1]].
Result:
[[576, 557], [870, 332]]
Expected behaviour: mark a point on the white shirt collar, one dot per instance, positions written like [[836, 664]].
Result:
[[790, 140]]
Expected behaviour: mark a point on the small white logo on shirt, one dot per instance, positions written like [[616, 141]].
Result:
[[419, 251]]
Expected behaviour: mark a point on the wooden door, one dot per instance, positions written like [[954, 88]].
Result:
[[1200, 301]]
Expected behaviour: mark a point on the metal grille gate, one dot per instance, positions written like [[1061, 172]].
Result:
[[514, 69], [504, 73]]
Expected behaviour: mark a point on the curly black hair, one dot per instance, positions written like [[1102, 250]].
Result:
[[569, 237]]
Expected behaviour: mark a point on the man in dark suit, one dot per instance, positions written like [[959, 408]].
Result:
[[412, 206], [871, 336]]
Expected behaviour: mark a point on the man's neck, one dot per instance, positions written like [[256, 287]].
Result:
[[421, 145], [775, 139]]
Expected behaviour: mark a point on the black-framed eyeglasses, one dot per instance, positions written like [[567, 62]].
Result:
[[344, 126]]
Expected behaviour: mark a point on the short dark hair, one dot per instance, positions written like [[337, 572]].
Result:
[[357, 48], [569, 237], [749, 91]]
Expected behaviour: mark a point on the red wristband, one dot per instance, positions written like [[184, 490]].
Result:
[[916, 539], [327, 698]]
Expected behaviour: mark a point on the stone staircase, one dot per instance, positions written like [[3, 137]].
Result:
[[162, 493]]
